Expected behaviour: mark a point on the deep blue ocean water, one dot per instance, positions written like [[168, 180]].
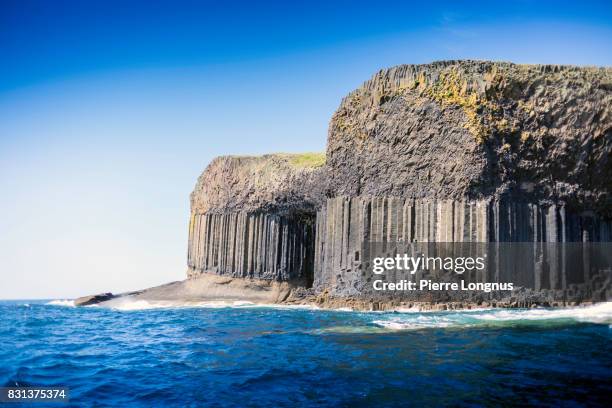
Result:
[[269, 357]]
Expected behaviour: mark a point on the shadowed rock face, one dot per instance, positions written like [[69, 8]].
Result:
[[253, 217], [93, 299]]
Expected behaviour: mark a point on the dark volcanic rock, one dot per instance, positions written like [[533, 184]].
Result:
[[253, 217], [93, 299], [467, 151], [474, 130], [455, 151], [273, 183]]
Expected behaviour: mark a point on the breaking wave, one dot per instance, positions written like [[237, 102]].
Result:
[[131, 304], [404, 319], [137, 304], [65, 302], [600, 314]]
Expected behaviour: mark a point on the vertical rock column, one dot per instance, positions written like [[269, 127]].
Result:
[[252, 245], [346, 223]]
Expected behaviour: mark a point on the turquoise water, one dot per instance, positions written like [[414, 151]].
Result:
[[211, 355]]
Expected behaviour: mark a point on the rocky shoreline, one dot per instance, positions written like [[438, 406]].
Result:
[[215, 288], [356, 304]]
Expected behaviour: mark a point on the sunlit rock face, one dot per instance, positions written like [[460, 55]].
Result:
[[253, 217], [477, 130]]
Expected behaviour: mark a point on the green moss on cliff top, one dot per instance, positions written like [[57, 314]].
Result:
[[299, 160], [311, 160]]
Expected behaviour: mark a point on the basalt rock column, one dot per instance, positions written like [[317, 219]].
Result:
[[467, 151], [254, 217]]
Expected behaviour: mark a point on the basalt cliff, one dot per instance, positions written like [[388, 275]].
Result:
[[453, 152], [254, 217], [456, 151]]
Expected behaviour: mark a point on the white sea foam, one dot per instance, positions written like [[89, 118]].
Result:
[[358, 329], [130, 304], [407, 319], [417, 322], [413, 309], [600, 313], [65, 302]]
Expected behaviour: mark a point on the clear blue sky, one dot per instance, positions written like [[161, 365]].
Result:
[[109, 110]]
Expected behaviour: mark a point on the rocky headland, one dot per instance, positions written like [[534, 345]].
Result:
[[453, 151]]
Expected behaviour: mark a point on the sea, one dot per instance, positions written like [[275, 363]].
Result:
[[237, 354]]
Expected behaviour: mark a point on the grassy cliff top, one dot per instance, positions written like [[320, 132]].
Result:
[[282, 181], [311, 160], [299, 160]]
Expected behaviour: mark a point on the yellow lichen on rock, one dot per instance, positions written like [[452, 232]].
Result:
[[310, 160], [451, 89]]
